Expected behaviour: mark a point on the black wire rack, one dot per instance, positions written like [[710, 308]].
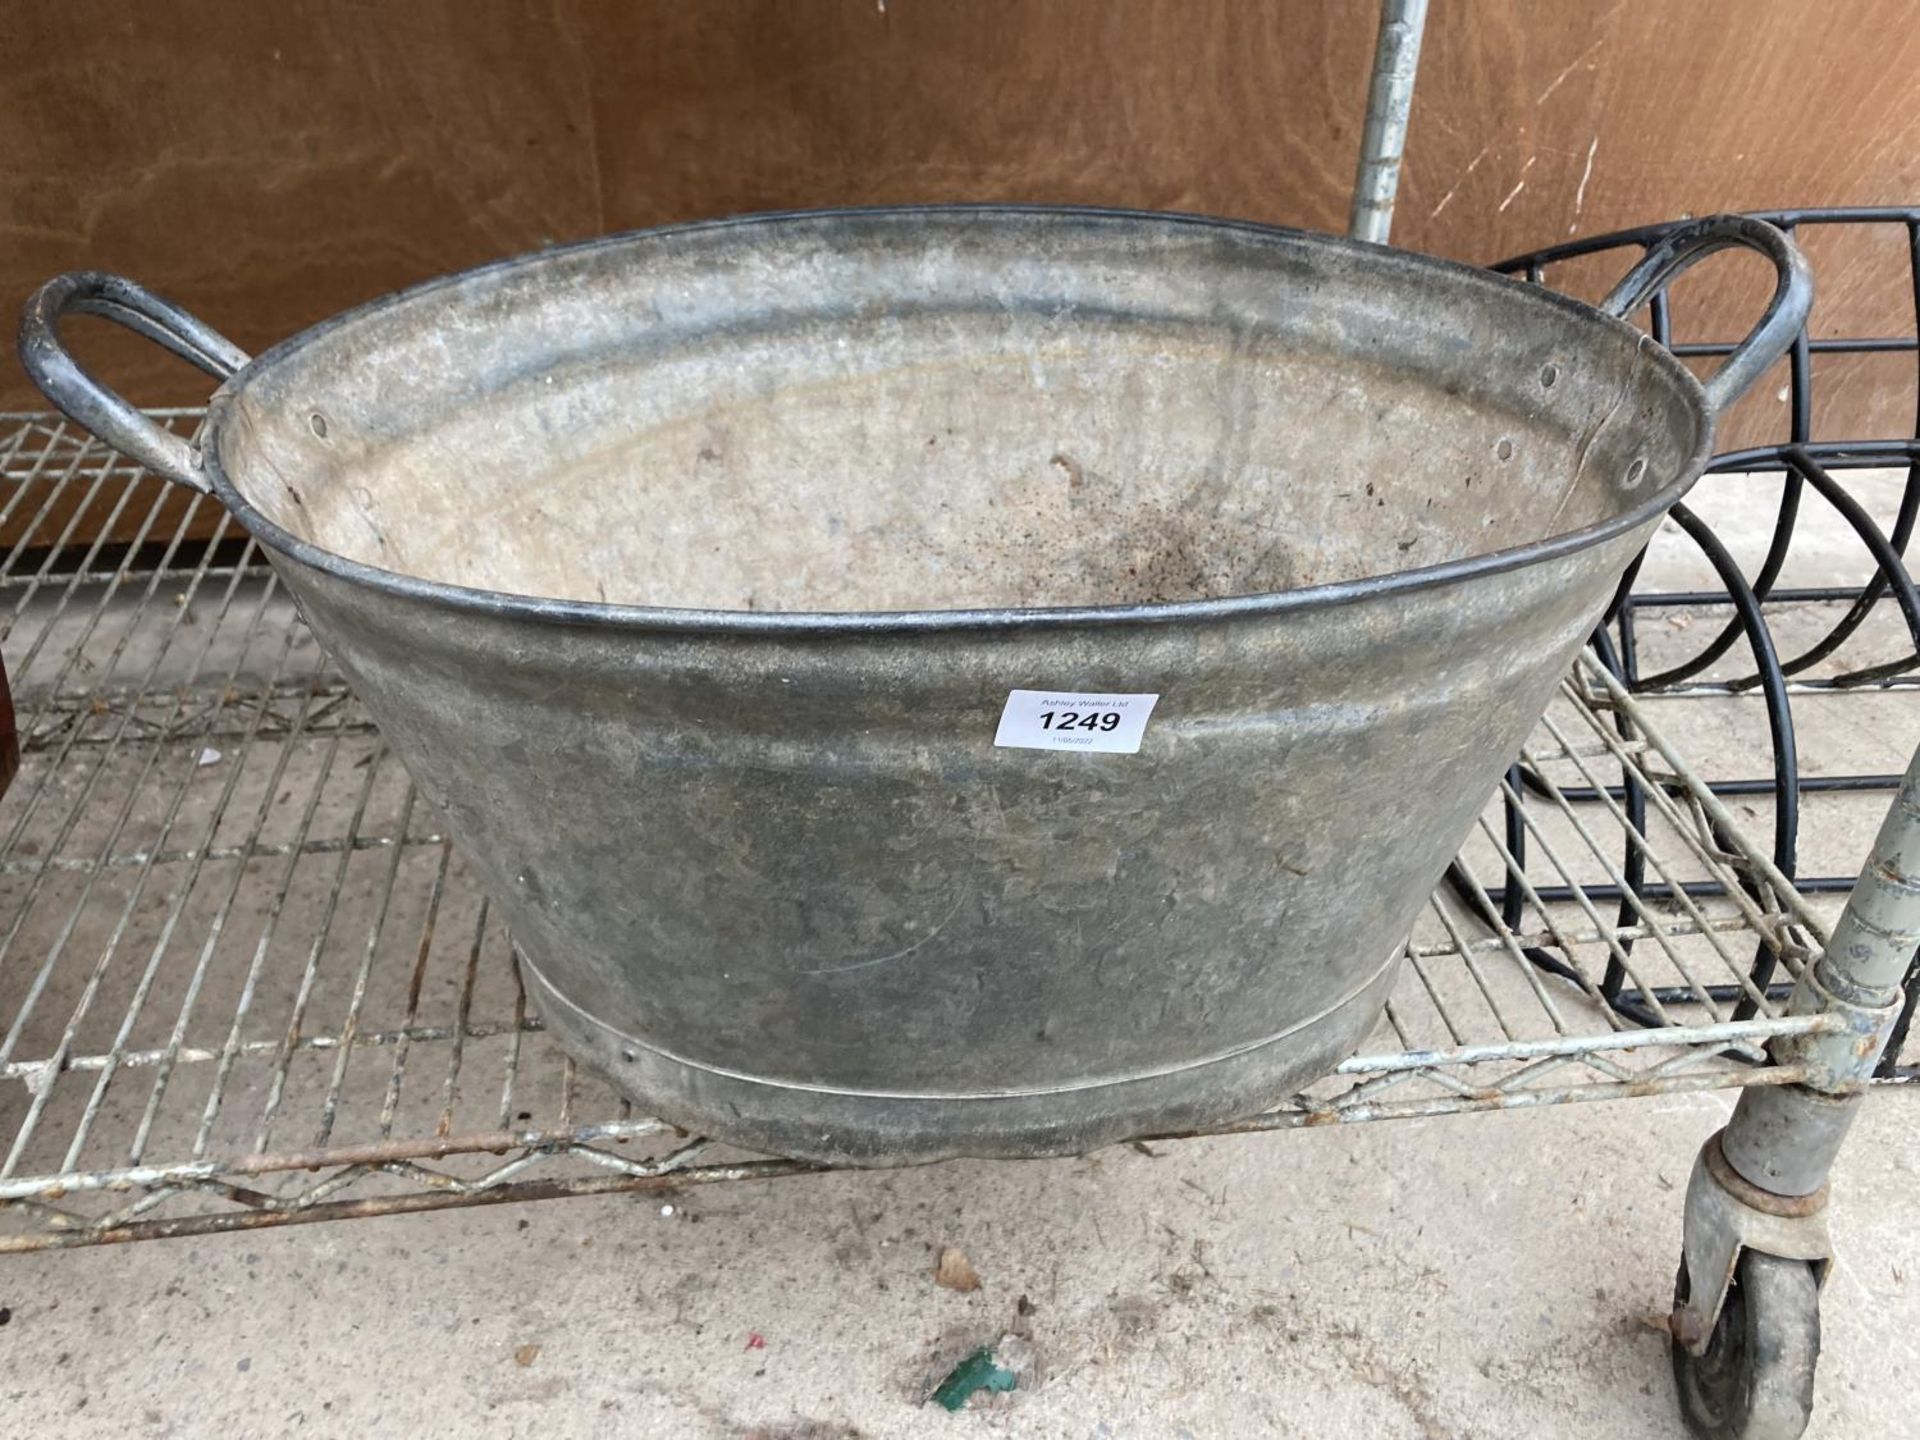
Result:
[[1744, 650]]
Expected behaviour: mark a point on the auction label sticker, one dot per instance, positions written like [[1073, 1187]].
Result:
[[1069, 720]]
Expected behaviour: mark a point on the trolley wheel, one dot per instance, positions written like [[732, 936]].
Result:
[[1755, 1381]]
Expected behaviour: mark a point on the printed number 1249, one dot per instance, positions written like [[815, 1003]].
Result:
[[1080, 720]]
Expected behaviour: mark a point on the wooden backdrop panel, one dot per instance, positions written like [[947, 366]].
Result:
[[268, 165]]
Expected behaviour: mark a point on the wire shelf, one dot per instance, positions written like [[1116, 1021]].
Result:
[[246, 981]]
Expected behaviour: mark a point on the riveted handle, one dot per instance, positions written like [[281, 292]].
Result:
[[1786, 313], [84, 400]]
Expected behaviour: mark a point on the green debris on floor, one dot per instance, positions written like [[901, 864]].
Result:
[[975, 1373]]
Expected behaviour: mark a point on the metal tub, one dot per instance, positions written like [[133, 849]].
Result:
[[692, 573]]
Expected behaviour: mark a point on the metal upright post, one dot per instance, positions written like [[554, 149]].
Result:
[[1784, 1140], [1396, 58]]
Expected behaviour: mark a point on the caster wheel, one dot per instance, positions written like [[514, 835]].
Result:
[[1755, 1381]]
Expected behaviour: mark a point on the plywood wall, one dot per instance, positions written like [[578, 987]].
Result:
[[269, 164]]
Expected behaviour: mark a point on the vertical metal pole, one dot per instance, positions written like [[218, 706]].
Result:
[[1786, 1142], [1396, 58], [1873, 943]]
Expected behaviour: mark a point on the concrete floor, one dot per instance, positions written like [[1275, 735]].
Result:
[[1492, 1276], [1495, 1276]]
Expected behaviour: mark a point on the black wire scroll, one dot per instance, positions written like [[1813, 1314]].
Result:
[[1805, 462]]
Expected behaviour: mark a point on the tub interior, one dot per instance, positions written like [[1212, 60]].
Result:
[[940, 410]]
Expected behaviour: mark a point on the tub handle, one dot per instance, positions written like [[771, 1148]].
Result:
[[1786, 313], [84, 400]]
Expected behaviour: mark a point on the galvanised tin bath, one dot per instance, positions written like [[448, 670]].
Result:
[[693, 573]]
